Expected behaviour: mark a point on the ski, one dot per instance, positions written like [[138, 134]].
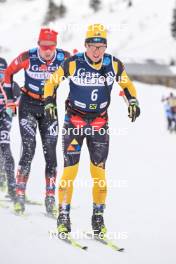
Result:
[[32, 202], [104, 240], [20, 214], [28, 201], [5, 206], [6, 201], [3, 187], [68, 239], [2, 205]]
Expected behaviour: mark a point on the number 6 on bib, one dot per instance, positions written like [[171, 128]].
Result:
[[94, 95]]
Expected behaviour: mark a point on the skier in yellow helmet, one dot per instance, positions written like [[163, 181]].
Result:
[[91, 76]]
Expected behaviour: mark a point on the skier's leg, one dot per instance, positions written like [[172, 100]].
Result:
[[49, 134], [28, 126], [72, 143], [174, 121], [2, 172], [98, 145], [5, 126], [169, 124]]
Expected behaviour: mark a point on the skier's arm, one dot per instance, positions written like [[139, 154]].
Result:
[[127, 85], [66, 69], [50, 92], [123, 79], [128, 88], [53, 82], [56, 78], [21, 62]]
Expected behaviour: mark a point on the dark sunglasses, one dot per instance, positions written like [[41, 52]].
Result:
[[49, 47]]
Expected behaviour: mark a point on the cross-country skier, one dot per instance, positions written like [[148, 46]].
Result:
[[37, 63], [170, 111], [91, 76], [7, 111]]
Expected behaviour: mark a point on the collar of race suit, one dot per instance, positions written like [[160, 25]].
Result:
[[92, 62]]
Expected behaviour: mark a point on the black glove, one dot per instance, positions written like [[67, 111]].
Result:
[[133, 109]]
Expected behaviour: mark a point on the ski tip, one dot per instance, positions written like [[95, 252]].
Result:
[[85, 248], [4, 206], [30, 202], [19, 214], [121, 249]]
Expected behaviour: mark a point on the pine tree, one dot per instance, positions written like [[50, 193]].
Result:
[[172, 62], [173, 24], [55, 11], [95, 5], [62, 10], [130, 3]]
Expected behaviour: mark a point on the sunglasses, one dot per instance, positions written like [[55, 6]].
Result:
[[95, 48], [49, 47]]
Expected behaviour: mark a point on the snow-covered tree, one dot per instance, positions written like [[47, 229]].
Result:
[[55, 11], [130, 3], [62, 10], [173, 24], [95, 5]]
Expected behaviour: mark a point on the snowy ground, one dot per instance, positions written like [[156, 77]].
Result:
[[141, 206]]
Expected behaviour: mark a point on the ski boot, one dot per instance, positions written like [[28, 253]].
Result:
[[98, 226], [63, 221], [51, 209], [11, 193], [19, 204]]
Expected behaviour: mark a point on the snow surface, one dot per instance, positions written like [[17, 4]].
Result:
[[141, 205]]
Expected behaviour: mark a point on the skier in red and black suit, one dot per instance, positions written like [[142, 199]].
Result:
[[38, 64]]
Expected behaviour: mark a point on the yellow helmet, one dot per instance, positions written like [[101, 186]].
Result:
[[96, 33]]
